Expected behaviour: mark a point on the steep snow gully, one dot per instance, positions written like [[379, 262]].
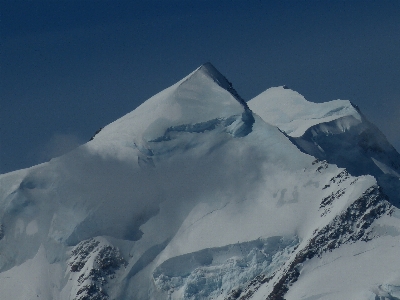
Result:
[[197, 194]]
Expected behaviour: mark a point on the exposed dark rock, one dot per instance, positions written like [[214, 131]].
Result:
[[97, 131], [94, 277], [81, 253], [350, 226]]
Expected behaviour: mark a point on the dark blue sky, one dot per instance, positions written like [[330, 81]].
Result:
[[71, 67]]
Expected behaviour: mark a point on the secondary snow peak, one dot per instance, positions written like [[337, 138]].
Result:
[[336, 131], [293, 114]]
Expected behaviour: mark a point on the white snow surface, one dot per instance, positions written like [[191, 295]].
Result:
[[190, 196], [335, 131], [197, 98], [293, 114], [377, 261]]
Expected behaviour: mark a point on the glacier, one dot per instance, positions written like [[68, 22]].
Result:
[[198, 194]]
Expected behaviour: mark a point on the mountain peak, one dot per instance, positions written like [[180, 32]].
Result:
[[210, 71], [292, 113], [203, 95], [192, 197]]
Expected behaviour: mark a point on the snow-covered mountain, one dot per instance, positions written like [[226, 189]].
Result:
[[197, 194], [335, 131]]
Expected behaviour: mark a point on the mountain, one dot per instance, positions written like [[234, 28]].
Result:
[[197, 194], [335, 131]]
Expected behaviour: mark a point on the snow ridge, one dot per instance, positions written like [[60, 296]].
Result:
[[221, 80], [335, 131], [93, 265]]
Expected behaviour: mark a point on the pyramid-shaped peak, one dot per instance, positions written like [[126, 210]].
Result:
[[212, 72], [203, 95]]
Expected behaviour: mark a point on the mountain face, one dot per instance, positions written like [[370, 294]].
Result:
[[335, 131], [197, 194]]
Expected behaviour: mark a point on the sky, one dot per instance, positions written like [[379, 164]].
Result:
[[71, 67]]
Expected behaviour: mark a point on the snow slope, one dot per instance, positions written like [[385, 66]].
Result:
[[336, 131], [192, 196]]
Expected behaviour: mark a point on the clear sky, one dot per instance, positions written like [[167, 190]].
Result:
[[70, 67]]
